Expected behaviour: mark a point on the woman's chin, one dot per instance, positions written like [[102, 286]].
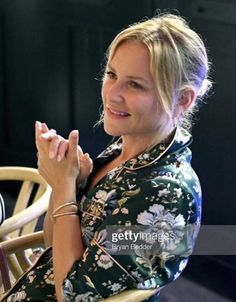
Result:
[[111, 131]]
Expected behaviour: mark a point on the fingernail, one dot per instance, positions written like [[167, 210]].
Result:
[[74, 133], [58, 158]]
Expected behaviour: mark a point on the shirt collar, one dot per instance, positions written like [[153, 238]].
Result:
[[181, 140]]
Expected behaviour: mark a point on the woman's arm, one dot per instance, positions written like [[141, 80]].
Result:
[[57, 149], [64, 232], [47, 225], [67, 239]]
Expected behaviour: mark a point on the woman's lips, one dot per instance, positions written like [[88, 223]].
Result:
[[118, 114]]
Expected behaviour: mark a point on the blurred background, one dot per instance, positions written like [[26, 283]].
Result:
[[51, 57]]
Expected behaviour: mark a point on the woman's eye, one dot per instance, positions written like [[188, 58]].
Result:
[[135, 85], [110, 75]]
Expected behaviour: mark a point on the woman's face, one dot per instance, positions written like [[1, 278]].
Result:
[[131, 105]]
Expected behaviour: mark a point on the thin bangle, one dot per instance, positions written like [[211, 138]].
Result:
[[63, 206], [53, 217]]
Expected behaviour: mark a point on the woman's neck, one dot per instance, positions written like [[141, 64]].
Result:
[[133, 146]]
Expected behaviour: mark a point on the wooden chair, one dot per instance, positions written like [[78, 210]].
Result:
[[31, 202], [36, 239], [28, 208], [23, 222]]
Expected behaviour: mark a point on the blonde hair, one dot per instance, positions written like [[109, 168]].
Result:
[[178, 58]]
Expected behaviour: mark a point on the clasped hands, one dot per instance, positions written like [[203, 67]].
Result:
[[60, 161]]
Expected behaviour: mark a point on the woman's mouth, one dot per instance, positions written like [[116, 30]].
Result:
[[116, 113]]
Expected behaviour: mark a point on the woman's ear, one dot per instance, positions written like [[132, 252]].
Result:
[[185, 101]]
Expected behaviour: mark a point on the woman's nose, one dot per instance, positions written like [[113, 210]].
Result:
[[115, 92]]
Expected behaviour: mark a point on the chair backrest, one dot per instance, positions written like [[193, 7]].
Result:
[[31, 203], [15, 258]]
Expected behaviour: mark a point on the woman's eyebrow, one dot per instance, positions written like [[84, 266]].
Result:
[[110, 67], [137, 78], [131, 77]]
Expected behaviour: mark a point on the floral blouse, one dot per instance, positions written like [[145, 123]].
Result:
[[157, 190]]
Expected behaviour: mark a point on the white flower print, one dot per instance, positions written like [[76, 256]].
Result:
[[49, 277], [17, 297], [144, 156], [103, 260], [136, 275], [163, 192], [101, 239], [100, 236], [178, 192], [124, 211], [115, 287], [87, 297], [31, 276], [169, 229], [101, 194]]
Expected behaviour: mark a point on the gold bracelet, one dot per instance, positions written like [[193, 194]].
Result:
[[63, 206], [53, 217]]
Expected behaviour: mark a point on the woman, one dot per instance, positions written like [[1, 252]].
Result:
[[156, 72]]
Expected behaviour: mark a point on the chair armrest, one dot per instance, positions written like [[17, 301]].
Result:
[[22, 242], [32, 212]]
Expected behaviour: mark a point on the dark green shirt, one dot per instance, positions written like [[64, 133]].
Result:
[[159, 193]]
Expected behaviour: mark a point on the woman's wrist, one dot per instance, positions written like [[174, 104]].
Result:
[[64, 194]]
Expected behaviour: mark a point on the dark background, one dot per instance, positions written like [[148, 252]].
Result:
[[51, 56]]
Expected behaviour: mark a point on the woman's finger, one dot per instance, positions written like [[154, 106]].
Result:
[[54, 145], [73, 142], [41, 128], [62, 149], [87, 163], [86, 166], [49, 135], [44, 128], [38, 129]]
